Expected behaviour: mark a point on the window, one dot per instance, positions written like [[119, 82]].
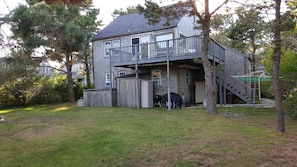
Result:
[[183, 42], [187, 76], [144, 46], [107, 46], [107, 79], [116, 44], [135, 46], [111, 44], [162, 40], [121, 73], [156, 77]]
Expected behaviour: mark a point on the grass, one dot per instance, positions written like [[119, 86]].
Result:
[[65, 135]]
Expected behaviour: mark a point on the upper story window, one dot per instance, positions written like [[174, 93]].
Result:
[[110, 44], [183, 41], [107, 46], [135, 45], [156, 77], [116, 44], [162, 40]]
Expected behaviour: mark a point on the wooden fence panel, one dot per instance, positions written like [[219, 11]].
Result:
[[99, 98], [126, 94]]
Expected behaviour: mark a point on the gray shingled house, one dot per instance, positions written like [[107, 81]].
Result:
[[134, 61]]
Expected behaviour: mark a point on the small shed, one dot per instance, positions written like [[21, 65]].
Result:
[[129, 96]]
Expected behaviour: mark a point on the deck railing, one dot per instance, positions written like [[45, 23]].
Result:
[[177, 49]]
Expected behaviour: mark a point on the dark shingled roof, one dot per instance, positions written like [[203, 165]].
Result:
[[131, 24]]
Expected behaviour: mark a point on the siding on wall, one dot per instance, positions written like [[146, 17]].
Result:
[[162, 89], [101, 66], [186, 27], [236, 63], [185, 89], [177, 82]]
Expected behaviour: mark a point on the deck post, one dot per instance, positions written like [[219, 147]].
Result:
[[214, 71], [137, 78], [220, 80], [110, 77], [168, 77]]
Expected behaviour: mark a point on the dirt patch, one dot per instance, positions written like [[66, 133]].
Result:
[[282, 155], [38, 134], [34, 120]]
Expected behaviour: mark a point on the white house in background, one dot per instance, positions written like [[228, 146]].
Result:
[[45, 69], [79, 74]]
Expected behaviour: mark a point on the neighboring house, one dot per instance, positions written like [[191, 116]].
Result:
[[78, 73], [134, 50], [45, 69]]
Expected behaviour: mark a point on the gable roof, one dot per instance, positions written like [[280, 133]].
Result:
[[131, 24]]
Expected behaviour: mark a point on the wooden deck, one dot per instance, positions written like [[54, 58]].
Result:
[[157, 52]]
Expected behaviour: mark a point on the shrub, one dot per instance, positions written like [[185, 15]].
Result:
[[43, 93], [267, 90], [290, 105]]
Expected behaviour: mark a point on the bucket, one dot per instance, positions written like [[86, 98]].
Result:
[[80, 102]]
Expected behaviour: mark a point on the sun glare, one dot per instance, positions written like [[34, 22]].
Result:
[[58, 109], [5, 111]]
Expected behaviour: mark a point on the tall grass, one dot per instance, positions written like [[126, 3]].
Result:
[[63, 135]]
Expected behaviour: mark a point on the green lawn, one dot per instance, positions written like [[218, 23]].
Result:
[[63, 135]]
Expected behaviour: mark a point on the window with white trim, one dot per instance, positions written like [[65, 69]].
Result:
[[107, 46], [107, 79], [161, 40], [156, 77], [111, 44]]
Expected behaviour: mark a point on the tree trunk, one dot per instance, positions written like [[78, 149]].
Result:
[[69, 79], [88, 74], [275, 69], [210, 88], [86, 57]]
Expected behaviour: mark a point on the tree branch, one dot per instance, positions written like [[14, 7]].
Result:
[[215, 10], [195, 10]]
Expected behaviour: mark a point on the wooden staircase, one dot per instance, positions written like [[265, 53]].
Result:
[[242, 90]]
